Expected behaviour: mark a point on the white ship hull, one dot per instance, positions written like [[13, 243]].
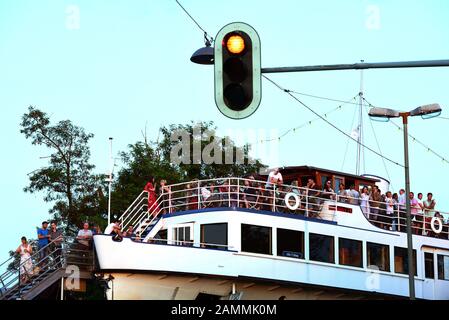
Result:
[[139, 268]]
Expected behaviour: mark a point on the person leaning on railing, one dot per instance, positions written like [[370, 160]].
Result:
[[165, 193], [388, 220], [328, 192], [375, 199], [429, 203], [84, 237], [414, 211], [312, 194], [250, 193], [56, 241], [342, 195]]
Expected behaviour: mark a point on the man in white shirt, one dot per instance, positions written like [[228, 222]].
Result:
[[85, 236], [402, 198], [274, 178]]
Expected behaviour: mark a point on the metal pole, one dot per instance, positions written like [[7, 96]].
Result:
[[374, 65], [411, 267], [62, 288], [110, 182], [360, 126]]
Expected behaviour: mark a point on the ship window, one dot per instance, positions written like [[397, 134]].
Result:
[[350, 252], [321, 248], [378, 256], [290, 243], [161, 236], [401, 260], [428, 265], [324, 179], [256, 239], [183, 235], [443, 267], [214, 235]]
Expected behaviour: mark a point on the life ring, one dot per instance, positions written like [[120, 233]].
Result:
[[440, 225], [287, 202]]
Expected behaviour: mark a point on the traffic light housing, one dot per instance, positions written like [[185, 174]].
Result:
[[237, 67]]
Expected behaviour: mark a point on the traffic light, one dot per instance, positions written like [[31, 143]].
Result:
[[238, 89]]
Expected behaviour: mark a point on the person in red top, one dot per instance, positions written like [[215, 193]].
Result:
[[150, 187]]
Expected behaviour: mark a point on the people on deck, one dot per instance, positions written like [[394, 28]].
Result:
[[150, 187], [312, 195], [388, 220], [328, 192], [129, 232], [84, 237], [354, 195], [165, 193], [414, 210], [364, 201], [250, 193], [375, 202], [342, 195], [96, 230], [274, 179], [429, 203]]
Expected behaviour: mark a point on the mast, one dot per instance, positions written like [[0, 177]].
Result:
[[360, 151]]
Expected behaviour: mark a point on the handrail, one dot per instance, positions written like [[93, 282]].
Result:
[[126, 211], [51, 259], [235, 192]]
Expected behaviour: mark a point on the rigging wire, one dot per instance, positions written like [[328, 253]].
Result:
[[347, 141], [328, 122], [306, 123], [206, 35], [325, 98], [378, 147]]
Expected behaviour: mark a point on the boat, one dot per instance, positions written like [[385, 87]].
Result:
[[215, 240]]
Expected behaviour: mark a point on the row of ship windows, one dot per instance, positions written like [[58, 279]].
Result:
[[290, 243]]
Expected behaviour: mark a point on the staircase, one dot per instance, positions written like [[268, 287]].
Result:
[[59, 263], [147, 221]]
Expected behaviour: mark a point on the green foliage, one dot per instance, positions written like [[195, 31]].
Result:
[[145, 159], [67, 181]]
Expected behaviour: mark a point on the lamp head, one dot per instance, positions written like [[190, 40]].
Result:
[[382, 114], [427, 111]]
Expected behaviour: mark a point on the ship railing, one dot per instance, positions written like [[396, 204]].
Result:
[[134, 211], [231, 192], [43, 262], [243, 193], [393, 217]]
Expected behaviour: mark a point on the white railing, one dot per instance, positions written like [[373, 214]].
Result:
[[137, 206], [258, 195]]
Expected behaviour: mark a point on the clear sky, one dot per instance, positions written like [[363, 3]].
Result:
[[116, 67]]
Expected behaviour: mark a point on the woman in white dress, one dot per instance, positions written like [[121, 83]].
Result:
[[26, 265], [364, 201]]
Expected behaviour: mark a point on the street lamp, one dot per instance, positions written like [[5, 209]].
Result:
[[204, 55], [384, 114]]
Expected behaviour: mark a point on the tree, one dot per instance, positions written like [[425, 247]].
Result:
[[154, 158], [68, 180]]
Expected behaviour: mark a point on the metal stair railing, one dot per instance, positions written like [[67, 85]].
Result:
[[134, 208], [13, 287], [143, 218]]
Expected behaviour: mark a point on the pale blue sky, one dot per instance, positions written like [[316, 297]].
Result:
[[127, 65]]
